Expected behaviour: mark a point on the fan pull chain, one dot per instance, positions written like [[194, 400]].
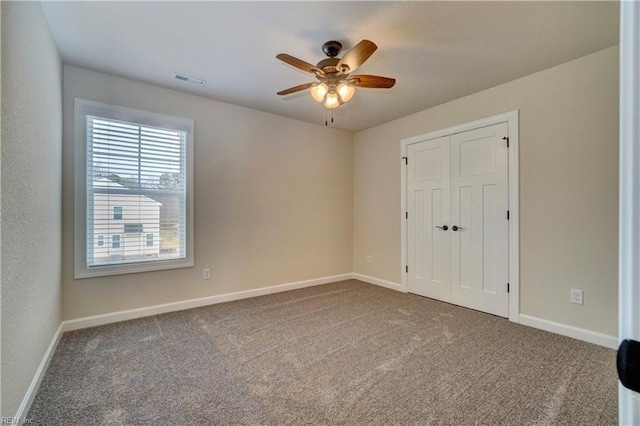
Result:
[[326, 116]]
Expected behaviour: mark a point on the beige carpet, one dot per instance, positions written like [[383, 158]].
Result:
[[341, 353]]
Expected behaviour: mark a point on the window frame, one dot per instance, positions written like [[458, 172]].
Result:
[[84, 107], [134, 228], [121, 213], [115, 239]]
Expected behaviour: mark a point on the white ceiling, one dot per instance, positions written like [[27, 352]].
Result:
[[437, 51]]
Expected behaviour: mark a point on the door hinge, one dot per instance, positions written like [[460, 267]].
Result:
[[506, 138], [406, 215], [406, 268], [406, 160], [507, 214], [508, 288]]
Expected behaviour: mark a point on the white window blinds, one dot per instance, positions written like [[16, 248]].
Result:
[[133, 190], [136, 192]]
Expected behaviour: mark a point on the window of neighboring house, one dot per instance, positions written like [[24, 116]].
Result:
[[115, 241], [133, 228], [140, 161], [117, 213]]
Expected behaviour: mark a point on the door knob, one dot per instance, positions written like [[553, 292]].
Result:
[[628, 363], [443, 227], [456, 228]]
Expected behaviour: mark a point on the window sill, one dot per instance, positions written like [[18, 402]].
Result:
[[131, 268]]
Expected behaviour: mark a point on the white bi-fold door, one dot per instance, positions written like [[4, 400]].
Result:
[[458, 231]]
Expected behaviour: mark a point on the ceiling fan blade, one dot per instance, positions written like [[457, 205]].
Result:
[[295, 89], [372, 81], [356, 56], [300, 64]]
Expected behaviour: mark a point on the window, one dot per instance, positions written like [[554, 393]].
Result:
[[117, 213], [135, 162], [115, 241], [133, 228]]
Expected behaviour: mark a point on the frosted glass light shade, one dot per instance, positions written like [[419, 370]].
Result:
[[345, 91], [332, 100], [319, 91]]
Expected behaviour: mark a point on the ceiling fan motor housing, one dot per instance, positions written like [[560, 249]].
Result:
[[328, 65]]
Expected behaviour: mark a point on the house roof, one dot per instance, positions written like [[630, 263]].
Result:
[[107, 183]]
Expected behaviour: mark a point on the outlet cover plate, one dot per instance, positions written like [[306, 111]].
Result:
[[576, 296]]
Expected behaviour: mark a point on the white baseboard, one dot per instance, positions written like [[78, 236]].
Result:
[[570, 331], [378, 281], [92, 321], [25, 405]]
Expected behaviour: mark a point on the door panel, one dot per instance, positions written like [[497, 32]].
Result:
[[464, 250], [477, 156], [489, 239], [428, 164], [420, 243], [428, 206], [437, 240], [479, 204]]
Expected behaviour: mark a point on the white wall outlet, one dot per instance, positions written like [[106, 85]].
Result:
[[368, 258], [206, 274], [576, 296]]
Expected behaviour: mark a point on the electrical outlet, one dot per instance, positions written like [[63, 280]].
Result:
[[206, 274], [368, 258], [576, 296]]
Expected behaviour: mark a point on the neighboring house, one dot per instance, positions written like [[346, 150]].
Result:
[[125, 226]]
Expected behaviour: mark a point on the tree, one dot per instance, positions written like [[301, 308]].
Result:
[[114, 178], [169, 180]]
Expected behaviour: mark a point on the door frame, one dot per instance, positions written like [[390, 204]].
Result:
[[512, 119], [629, 221]]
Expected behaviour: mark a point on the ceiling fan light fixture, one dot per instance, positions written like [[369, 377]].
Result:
[[345, 91], [332, 100], [319, 91]]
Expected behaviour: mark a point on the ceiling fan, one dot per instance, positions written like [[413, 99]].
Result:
[[336, 85]]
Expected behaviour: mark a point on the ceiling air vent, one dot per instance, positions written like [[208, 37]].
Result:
[[188, 79]]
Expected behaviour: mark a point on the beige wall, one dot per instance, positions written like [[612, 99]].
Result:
[[31, 204], [568, 186], [273, 200]]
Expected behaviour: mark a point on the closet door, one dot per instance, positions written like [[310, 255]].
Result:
[[479, 227], [429, 237]]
